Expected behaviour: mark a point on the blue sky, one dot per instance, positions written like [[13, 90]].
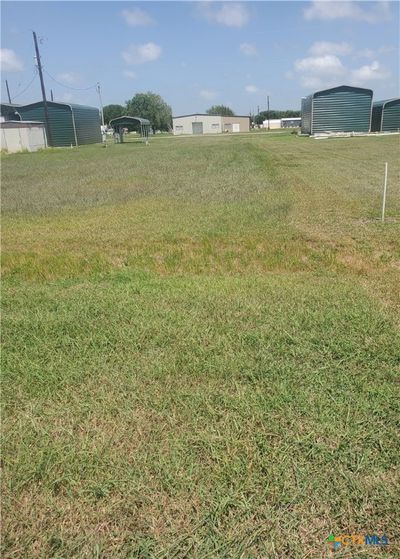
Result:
[[195, 54]]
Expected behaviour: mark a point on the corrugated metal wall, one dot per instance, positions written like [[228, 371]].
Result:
[[342, 109], [391, 116], [60, 116], [386, 116], [9, 112], [65, 121], [306, 105], [376, 116], [87, 123]]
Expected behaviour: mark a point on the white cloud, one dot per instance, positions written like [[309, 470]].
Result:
[[365, 53], [251, 89], [129, 74], [231, 14], [326, 47], [317, 65], [326, 10], [9, 61], [70, 78], [328, 70], [313, 82], [138, 54], [365, 74], [387, 49], [67, 97], [208, 94], [374, 54], [137, 17], [318, 72], [248, 49]]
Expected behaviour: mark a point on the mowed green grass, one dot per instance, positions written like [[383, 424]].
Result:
[[201, 348]]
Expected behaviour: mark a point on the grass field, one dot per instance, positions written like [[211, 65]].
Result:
[[201, 349]]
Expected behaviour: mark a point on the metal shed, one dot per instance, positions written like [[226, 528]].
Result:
[[339, 109], [70, 125], [135, 123], [386, 115]]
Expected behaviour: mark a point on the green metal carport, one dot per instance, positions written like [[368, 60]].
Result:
[[339, 109], [9, 111], [135, 123], [386, 115], [70, 124]]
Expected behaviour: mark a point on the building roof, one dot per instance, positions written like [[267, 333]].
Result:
[[8, 108], [384, 102], [343, 88], [129, 120], [337, 88], [57, 104], [9, 105]]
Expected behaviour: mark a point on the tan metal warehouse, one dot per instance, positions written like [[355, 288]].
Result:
[[209, 124]]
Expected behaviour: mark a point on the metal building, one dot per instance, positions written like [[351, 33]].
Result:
[[70, 125], [209, 124], [9, 111], [386, 116], [131, 123], [339, 109]]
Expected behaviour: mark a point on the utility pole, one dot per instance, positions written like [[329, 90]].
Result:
[[268, 110], [101, 103], [51, 94], [46, 110], [8, 93]]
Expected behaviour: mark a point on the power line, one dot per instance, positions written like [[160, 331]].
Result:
[[69, 86], [35, 73]]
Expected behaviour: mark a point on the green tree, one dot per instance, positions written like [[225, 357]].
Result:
[[153, 107], [113, 111], [220, 110]]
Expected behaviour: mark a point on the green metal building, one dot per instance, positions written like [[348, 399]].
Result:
[[339, 109], [386, 115], [70, 125], [9, 111]]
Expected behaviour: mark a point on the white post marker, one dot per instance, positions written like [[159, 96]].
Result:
[[384, 193]]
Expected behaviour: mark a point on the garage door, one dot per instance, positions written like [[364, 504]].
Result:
[[197, 127]]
